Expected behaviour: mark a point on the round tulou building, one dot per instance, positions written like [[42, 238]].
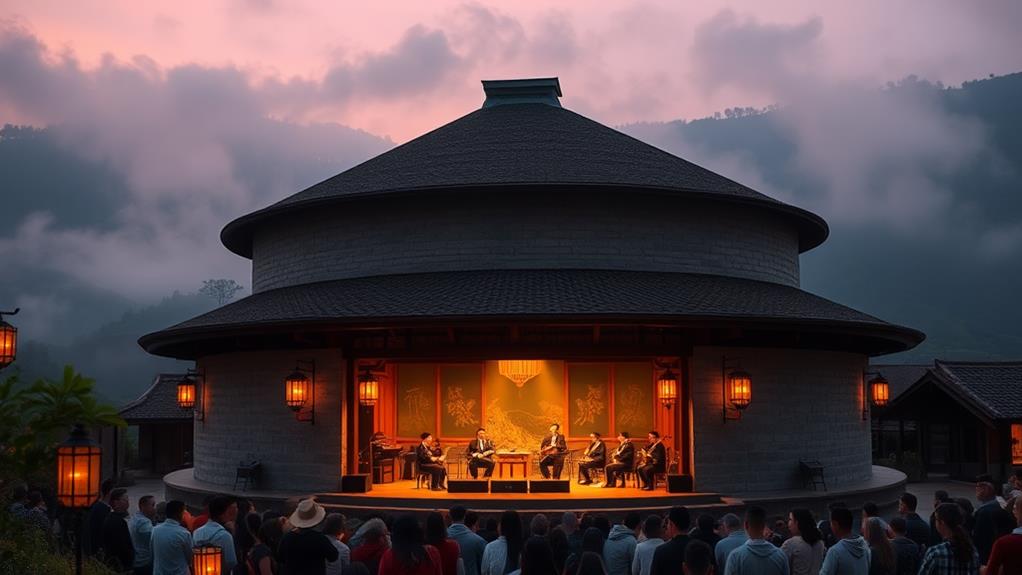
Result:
[[519, 266]]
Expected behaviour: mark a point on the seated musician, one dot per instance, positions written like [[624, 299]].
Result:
[[594, 457], [552, 450], [378, 442], [480, 454], [656, 461], [623, 460], [430, 462]]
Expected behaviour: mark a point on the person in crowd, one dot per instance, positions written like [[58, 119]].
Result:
[[539, 525], [34, 513], [552, 450], [592, 544], [502, 555], [850, 554], [262, 558], [882, 560], [668, 556], [409, 554], [652, 530], [558, 540], [590, 563], [161, 513], [96, 517], [333, 528], [1014, 490], [140, 528], [990, 521], [431, 463], [304, 550], [489, 530], [537, 557], [907, 553], [594, 457], [436, 535], [201, 519], [918, 529], [569, 522], [247, 527], [829, 539], [698, 559], [622, 460], [602, 522], [222, 511], [805, 548], [1006, 554], [706, 531], [372, 545], [656, 461], [736, 537], [968, 512], [171, 543], [939, 496], [480, 454], [469, 542], [117, 547], [19, 496], [619, 550], [870, 509], [956, 555], [757, 556]]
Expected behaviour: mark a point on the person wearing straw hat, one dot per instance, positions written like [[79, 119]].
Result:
[[306, 551]]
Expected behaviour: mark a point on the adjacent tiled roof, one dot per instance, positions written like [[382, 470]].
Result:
[[519, 146], [994, 387], [535, 294], [158, 402], [900, 376]]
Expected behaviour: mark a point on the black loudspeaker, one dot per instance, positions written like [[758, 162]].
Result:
[[549, 486], [357, 483], [679, 484], [467, 486], [509, 486]]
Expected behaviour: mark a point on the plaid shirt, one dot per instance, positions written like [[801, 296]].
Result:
[[940, 560]]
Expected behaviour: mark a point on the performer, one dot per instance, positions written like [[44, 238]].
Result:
[[594, 457], [480, 454], [624, 460], [552, 450], [430, 462], [656, 461]]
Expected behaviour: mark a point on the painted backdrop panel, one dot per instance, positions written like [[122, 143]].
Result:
[[416, 399], [518, 417], [461, 399], [633, 398], [588, 398]]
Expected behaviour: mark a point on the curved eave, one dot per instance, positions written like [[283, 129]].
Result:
[[237, 235]]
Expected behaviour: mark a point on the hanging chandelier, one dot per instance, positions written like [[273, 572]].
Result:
[[520, 370]]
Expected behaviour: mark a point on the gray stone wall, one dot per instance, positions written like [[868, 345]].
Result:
[[517, 230], [806, 405], [246, 418]]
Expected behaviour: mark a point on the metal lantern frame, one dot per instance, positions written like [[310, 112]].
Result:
[[79, 466], [667, 388], [196, 378], [300, 391], [735, 384], [876, 391], [368, 388], [8, 339], [207, 560]]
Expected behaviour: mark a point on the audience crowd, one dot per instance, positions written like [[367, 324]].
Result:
[[158, 538]]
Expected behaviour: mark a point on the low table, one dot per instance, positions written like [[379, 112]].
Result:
[[511, 459]]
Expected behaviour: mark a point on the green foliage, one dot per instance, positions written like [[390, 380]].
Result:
[[34, 419], [26, 552]]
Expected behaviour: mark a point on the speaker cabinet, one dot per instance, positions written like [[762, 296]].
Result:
[[679, 484], [356, 483], [549, 486], [509, 486], [467, 486]]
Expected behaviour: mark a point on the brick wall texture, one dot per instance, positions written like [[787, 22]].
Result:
[[518, 230]]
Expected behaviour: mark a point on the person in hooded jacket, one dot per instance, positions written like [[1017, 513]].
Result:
[[850, 554], [619, 550], [757, 556]]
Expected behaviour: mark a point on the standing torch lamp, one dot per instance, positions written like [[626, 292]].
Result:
[[8, 339], [207, 560], [78, 471]]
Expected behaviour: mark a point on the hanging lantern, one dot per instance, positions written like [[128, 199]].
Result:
[[206, 560], [667, 388], [186, 393], [8, 341], [739, 386], [78, 470], [296, 390], [368, 389], [880, 391], [519, 370]]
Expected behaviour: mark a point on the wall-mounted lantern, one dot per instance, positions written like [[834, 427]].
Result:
[[736, 388], [368, 388], [667, 388], [191, 393], [300, 391], [877, 389], [186, 391], [8, 340]]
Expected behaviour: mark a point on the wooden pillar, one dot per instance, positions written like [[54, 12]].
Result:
[[682, 417], [351, 412]]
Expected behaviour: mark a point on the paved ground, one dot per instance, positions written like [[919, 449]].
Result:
[[145, 486], [924, 491]]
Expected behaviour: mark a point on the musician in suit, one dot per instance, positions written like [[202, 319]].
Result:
[[594, 457], [623, 460], [430, 462], [480, 454], [656, 461], [552, 450]]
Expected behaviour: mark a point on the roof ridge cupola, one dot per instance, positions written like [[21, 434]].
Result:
[[522, 91]]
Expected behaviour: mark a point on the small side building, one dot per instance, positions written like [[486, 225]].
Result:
[[165, 430], [955, 418]]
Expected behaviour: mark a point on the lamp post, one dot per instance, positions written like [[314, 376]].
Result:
[[8, 339], [207, 560], [78, 471]]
